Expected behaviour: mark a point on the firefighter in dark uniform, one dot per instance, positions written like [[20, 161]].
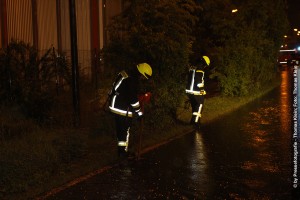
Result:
[[195, 89], [124, 102]]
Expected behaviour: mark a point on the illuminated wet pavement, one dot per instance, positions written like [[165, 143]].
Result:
[[245, 155]]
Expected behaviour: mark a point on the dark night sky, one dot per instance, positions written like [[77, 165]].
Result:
[[294, 13]]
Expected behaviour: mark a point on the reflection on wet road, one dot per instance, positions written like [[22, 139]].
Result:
[[244, 155]]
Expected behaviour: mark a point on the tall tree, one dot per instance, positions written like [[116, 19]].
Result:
[[245, 43]]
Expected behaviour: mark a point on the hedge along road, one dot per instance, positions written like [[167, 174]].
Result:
[[244, 155]]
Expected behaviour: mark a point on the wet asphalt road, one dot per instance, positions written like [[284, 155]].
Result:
[[244, 155]]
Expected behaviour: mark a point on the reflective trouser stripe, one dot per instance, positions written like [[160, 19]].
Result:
[[127, 140], [122, 143], [198, 114], [125, 143]]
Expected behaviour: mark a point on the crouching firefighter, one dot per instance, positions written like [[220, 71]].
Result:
[[124, 102], [195, 89]]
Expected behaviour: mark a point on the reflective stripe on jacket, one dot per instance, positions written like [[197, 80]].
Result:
[[124, 100], [195, 82]]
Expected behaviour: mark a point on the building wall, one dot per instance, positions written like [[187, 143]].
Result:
[[19, 20], [113, 8], [20, 26], [65, 25], [47, 26], [84, 36], [101, 21]]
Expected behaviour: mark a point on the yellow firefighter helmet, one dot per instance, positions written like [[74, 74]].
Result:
[[206, 59], [145, 69]]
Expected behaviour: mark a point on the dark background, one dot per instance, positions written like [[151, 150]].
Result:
[[294, 13]]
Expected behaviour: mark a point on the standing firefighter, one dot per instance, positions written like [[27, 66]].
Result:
[[124, 102], [195, 89]]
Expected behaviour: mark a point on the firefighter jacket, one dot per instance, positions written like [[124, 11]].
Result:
[[195, 83], [124, 95]]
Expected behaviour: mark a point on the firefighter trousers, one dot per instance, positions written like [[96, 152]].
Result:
[[197, 102], [123, 124]]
